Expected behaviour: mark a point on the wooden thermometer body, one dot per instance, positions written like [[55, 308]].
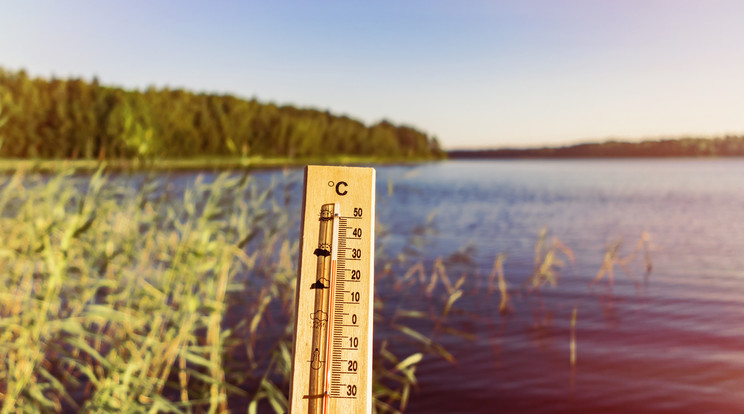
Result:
[[332, 360]]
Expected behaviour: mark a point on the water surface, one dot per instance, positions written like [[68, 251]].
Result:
[[672, 342]]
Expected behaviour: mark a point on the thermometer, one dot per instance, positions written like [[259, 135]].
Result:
[[332, 358]]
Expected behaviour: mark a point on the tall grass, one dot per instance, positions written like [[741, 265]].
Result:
[[113, 299]]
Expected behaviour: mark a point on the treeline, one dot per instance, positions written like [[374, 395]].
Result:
[[729, 146], [60, 119]]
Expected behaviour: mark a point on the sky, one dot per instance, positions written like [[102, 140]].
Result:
[[475, 74]]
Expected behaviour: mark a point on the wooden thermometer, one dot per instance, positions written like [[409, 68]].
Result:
[[332, 361]]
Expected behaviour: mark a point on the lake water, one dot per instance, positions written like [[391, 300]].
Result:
[[671, 342]]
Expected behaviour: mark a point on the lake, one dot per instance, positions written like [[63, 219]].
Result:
[[666, 336], [670, 341]]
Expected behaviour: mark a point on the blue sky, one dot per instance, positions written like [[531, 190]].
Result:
[[475, 74]]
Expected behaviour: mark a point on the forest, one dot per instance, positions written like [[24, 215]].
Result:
[[76, 119], [728, 146]]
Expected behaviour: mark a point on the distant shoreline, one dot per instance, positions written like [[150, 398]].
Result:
[[189, 164], [729, 146], [568, 158]]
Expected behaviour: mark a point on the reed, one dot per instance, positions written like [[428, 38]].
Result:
[[613, 258], [109, 295], [548, 261]]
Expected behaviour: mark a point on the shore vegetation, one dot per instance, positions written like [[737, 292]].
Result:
[[79, 119]]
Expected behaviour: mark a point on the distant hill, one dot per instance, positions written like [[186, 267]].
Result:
[[73, 118], [729, 146]]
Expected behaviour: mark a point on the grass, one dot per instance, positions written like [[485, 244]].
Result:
[[123, 299], [201, 163], [110, 295]]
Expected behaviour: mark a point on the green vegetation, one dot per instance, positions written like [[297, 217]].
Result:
[[728, 146], [74, 119], [195, 163]]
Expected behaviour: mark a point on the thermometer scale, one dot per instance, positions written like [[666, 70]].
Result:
[[332, 360]]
